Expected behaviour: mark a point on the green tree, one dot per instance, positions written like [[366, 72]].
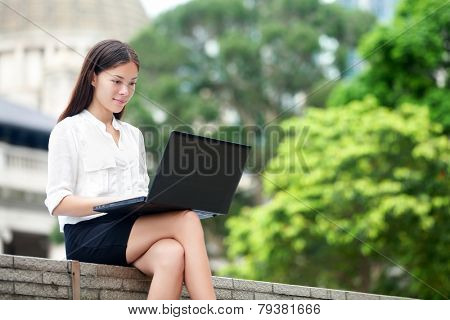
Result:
[[208, 59], [248, 57], [376, 185], [407, 61]]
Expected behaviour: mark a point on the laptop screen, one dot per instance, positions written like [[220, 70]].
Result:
[[199, 172]]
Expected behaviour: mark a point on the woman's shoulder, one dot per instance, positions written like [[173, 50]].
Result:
[[131, 128], [66, 125]]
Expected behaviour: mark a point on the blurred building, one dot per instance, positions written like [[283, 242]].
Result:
[[42, 45], [24, 220]]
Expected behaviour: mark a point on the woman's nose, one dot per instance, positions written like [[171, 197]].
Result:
[[123, 90]]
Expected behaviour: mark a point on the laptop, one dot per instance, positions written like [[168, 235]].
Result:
[[195, 173]]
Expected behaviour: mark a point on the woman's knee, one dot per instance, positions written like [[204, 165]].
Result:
[[168, 255], [190, 215], [190, 222]]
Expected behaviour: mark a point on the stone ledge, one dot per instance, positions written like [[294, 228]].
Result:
[[37, 278]]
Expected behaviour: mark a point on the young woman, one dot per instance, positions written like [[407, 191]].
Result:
[[95, 158]]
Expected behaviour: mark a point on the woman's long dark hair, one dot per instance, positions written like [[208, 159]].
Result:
[[104, 55]]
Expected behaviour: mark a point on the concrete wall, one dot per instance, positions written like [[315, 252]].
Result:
[[35, 278]]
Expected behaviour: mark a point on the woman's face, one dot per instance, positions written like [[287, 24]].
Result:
[[114, 87]]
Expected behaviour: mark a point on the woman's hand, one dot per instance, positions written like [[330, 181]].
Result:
[[76, 206]]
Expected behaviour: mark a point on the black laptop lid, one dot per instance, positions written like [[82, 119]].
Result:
[[198, 172]]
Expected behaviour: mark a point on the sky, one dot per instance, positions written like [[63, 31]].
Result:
[[155, 7]]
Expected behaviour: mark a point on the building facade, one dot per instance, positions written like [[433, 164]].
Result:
[[43, 43], [42, 47]]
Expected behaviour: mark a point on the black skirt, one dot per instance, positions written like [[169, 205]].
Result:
[[101, 240]]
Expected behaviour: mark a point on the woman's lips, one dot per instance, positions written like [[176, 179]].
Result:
[[120, 101]]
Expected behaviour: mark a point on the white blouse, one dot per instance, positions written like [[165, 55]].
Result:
[[84, 160]]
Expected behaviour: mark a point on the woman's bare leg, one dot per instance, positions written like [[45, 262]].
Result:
[[186, 228], [165, 261]]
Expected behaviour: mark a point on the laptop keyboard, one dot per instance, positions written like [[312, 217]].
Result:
[[204, 214]]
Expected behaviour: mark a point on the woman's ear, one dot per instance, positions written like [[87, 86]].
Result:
[[94, 80]]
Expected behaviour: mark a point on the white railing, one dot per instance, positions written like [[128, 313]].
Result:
[[23, 168]]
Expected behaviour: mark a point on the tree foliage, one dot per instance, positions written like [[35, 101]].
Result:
[[252, 58], [407, 61], [369, 212]]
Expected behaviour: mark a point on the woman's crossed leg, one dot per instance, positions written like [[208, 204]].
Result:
[[171, 246]]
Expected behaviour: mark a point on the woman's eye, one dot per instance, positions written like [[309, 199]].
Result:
[[133, 83], [116, 81]]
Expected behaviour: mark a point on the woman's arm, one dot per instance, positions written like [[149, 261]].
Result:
[[143, 179], [62, 175], [76, 206]]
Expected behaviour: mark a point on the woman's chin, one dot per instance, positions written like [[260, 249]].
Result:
[[117, 109]]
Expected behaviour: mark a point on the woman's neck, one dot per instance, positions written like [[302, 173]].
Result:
[[101, 113]]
